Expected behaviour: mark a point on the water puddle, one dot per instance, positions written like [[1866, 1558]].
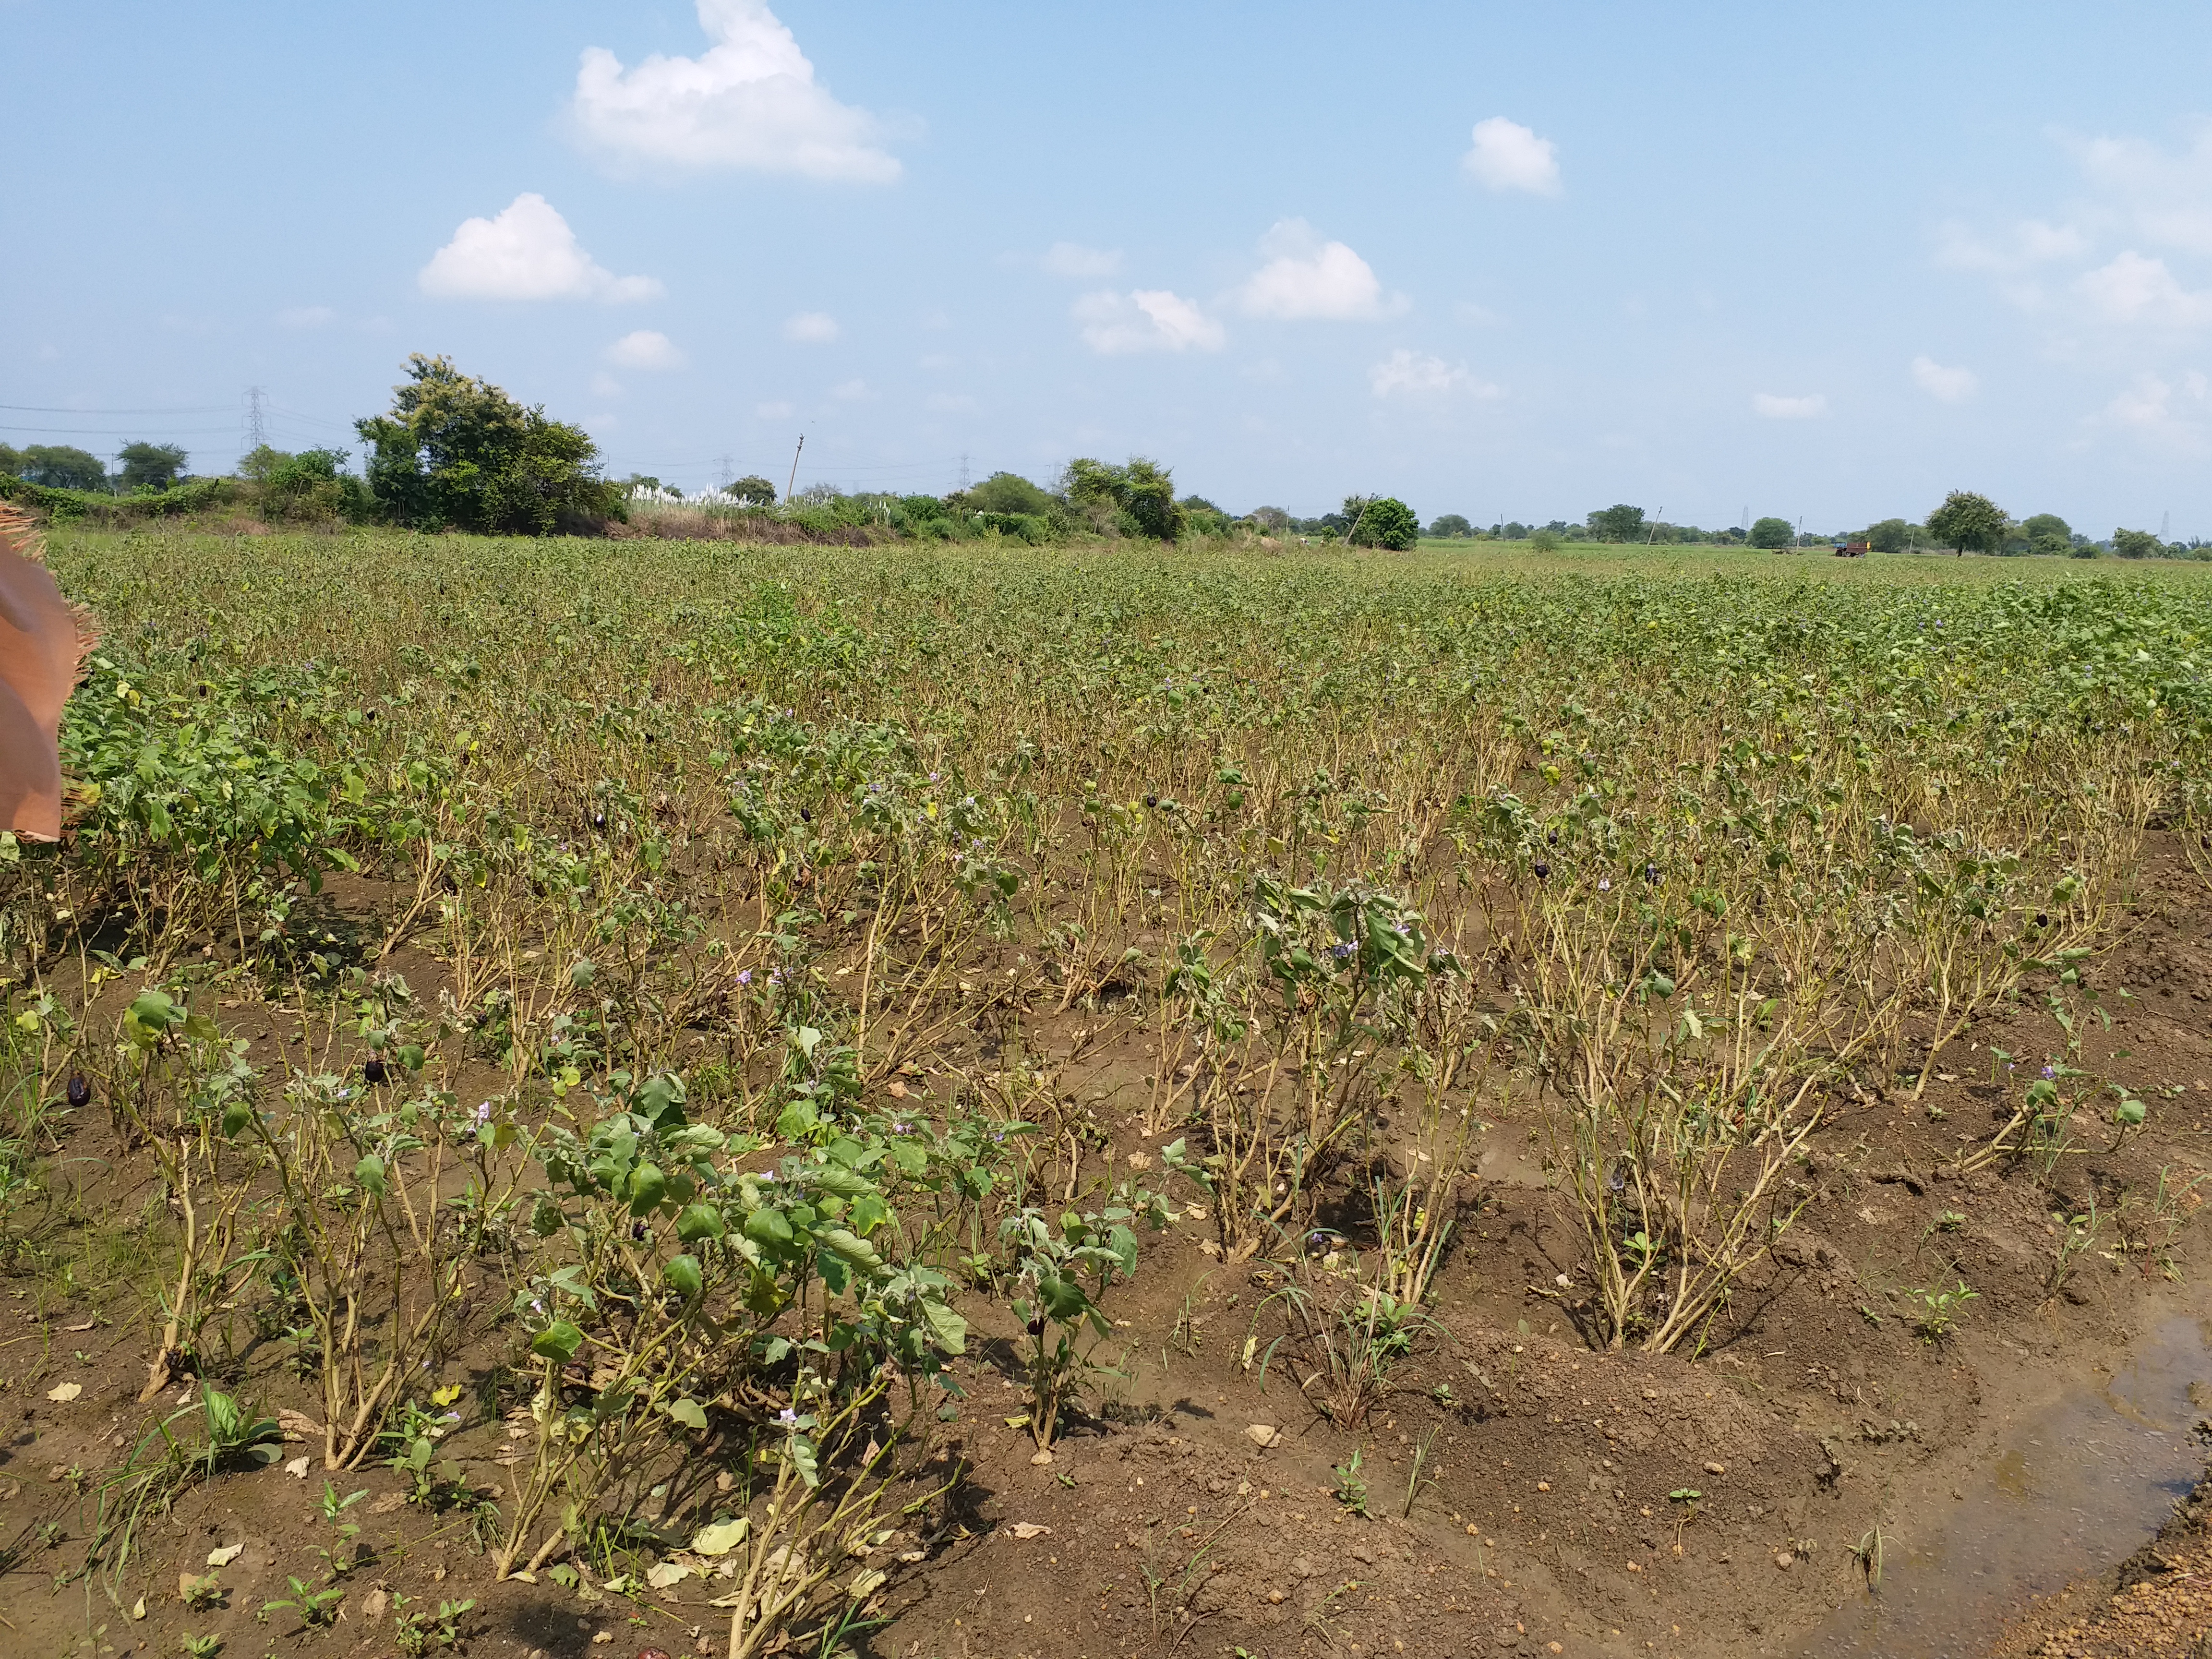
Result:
[[2078, 1483]]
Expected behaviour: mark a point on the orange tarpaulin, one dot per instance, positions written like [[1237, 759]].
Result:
[[43, 642]]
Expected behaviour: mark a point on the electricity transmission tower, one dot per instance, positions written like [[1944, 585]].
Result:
[[257, 429]]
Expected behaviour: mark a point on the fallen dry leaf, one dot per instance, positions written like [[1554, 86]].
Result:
[[297, 1468], [298, 1426], [226, 1555], [64, 1392], [373, 1604], [1027, 1529], [88, 1324]]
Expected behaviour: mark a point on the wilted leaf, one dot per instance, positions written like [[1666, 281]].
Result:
[[720, 1538]]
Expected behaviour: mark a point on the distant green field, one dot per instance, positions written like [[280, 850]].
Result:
[[1595, 558]]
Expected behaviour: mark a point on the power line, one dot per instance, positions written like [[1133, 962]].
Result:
[[43, 408], [101, 432]]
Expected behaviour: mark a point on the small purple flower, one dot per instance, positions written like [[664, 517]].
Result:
[[1339, 951], [775, 977], [788, 1417], [484, 1113], [2050, 1072], [744, 975], [1604, 884], [932, 776]]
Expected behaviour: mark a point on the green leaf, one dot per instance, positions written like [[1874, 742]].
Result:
[[647, 1188], [768, 1226], [700, 1221], [682, 1276], [851, 1245], [557, 1342], [690, 1414], [369, 1176], [947, 1330]]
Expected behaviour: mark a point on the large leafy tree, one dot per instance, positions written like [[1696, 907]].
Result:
[[60, 467], [1773, 534], [1008, 492], [1968, 521], [1890, 536], [2138, 544], [1138, 497], [1386, 522], [1618, 523], [457, 452], [2048, 534], [1450, 527], [150, 467]]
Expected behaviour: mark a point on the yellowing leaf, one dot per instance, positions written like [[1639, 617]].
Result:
[[64, 1392], [226, 1555], [720, 1538]]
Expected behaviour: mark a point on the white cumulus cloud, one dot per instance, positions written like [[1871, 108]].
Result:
[[525, 251], [1073, 259], [810, 328], [1407, 373], [750, 100], [1146, 319], [1306, 278], [645, 348], [1948, 385], [1510, 156], [1776, 408], [2135, 290]]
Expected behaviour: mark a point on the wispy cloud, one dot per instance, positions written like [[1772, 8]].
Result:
[[645, 348], [810, 328], [1073, 259], [2134, 288], [1146, 319], [1948, 385], [1777, 408], [1405, 373]]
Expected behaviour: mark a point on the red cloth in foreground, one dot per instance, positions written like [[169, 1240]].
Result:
[[43, 642]]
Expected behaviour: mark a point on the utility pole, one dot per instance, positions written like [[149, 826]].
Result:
[[1654, 536], [793, 478], [257, 432]]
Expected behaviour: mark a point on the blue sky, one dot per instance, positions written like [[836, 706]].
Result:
[[1819, 261]]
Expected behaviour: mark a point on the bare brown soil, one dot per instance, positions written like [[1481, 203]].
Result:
[[1200, 1505]]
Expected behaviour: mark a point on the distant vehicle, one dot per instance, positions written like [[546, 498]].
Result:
[[1851, 549]]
